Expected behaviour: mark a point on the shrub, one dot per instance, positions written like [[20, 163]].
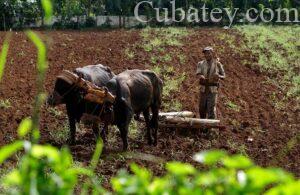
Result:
[[90, 22], [225, 175]]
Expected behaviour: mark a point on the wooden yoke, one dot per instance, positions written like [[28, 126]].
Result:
[[95, 94]]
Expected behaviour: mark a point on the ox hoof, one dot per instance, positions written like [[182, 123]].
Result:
[[71, 142], [150, 142], [125, 148]]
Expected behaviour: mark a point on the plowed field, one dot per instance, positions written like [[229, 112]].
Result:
[[256, 128]]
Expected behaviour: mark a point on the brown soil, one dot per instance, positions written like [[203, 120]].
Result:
[[258, 129]]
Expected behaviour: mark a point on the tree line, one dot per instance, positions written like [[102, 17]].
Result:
[[18, 14]]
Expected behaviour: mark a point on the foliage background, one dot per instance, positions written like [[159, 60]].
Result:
[[18, 14]]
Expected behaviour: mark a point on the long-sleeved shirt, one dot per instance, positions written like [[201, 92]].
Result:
[[216, 68]]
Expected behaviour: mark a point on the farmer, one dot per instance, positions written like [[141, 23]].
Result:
[[209, 72]]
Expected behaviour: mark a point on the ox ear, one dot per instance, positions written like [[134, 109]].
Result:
[[78, 73]]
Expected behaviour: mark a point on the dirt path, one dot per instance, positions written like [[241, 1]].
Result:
[[257, 129]]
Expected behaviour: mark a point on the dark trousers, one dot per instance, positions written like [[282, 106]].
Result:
[[207, 105]]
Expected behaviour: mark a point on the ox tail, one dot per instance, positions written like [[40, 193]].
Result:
[[157, 89], [157, 102]]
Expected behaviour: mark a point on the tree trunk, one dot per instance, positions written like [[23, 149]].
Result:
[[124, 21], [186, 11], [120, 21], [78, 25], [89, 8], [43, 21], [4, 23]]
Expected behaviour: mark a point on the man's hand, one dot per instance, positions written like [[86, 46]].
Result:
[[202, 79], [216, 77]]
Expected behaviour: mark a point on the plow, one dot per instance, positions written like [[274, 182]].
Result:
[[187, 120]]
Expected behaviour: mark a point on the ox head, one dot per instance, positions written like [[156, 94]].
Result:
[[64, 88]]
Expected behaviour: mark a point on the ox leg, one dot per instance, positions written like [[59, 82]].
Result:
[[123, 127], [104, 133], [72, 124], [154, 122], [147, 120], [96, 130], [124, 134]]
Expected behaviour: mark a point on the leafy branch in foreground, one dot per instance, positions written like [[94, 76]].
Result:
[[43, 169], [3, 54], [225, 175]]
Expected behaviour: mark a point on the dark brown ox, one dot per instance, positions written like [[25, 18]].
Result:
[[136, 91]]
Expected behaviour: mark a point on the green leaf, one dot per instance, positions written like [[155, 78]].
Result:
[[24, 127], [81, 171], [39, 151], [267, 176], [209, 157], [159, 186], [97, 154], [3, 54], [178, 168], [288, 189], [13, 178], [66, 158], [42, 52], [142, 173], [237, 162], [47, 6], [8, 150]]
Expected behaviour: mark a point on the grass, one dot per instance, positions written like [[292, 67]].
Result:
[[4, 170], [231, 105], [55, 112], [167, 58], [182, 58], [228, 39], [129, 54], [172, 85], [5, 104], [163, 37], [133, 130], [279, 104], [289, 146], [277, 48], [173, 106], [235, 123], [61, 134], [159, 60]]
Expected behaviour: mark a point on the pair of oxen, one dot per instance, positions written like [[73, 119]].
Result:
[[135, 92]]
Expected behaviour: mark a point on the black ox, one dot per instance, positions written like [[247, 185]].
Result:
[[69, 94], [135, 91]]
